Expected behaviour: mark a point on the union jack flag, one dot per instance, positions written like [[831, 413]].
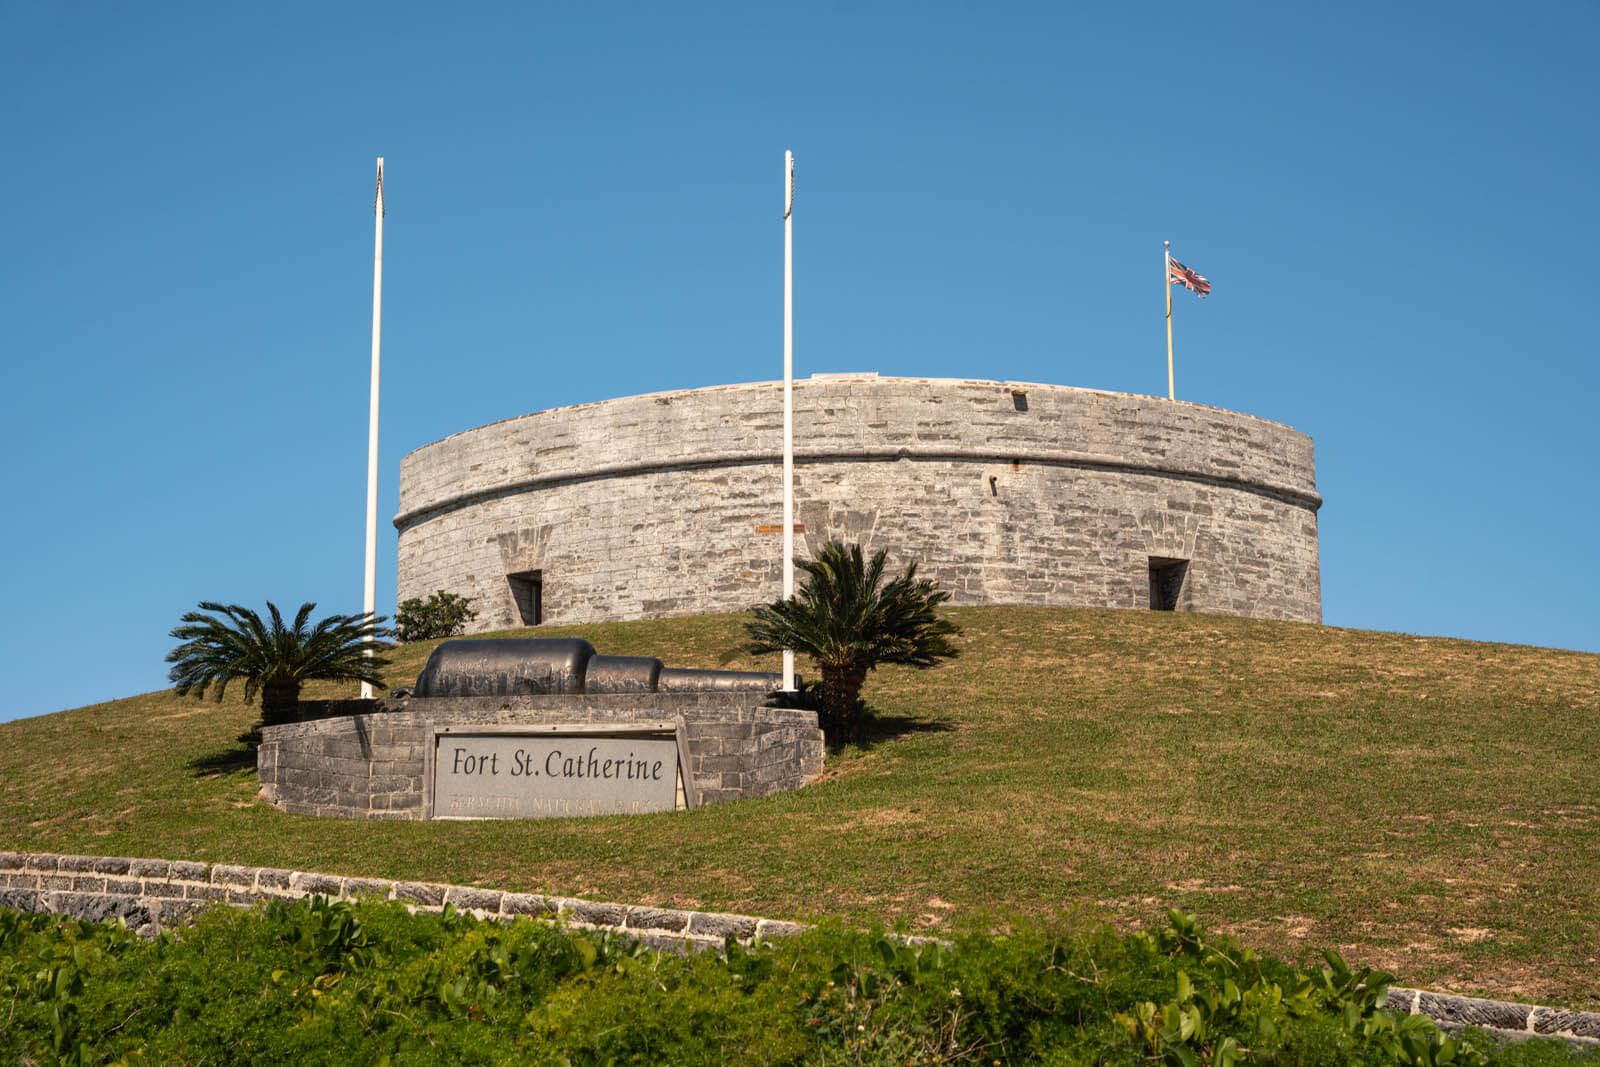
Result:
[[1178, 274]]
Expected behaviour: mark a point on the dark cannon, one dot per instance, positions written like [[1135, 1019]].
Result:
[[534, 666]]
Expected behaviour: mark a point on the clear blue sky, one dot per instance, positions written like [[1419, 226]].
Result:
[[1395, 204]]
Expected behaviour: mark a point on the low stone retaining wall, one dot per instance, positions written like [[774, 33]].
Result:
[[1499, 1016], [150, 895], [373, 765]]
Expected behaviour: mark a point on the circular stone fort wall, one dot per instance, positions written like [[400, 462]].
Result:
[[1004, 492]]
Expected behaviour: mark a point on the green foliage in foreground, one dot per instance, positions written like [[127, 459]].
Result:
[[315, 982]]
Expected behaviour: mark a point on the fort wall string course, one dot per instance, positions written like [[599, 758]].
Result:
[[152, 894], [1003, 492]]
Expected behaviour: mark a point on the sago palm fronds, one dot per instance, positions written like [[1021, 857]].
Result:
[[848, 622], [271, 658]]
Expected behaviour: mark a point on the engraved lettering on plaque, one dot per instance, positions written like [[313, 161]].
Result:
[[510, 776]]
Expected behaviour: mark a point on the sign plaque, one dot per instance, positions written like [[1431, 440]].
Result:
[[490, 773]]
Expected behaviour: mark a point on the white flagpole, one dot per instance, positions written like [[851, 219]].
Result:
[[1166, 283], [369, 599], [788, 401]]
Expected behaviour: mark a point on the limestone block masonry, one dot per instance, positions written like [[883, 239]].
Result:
[[368, 760], [1004, 492]]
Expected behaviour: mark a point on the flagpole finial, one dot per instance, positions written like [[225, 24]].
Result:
[[788, 198], [1166, 244]]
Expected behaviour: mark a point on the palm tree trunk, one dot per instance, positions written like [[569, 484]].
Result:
[[841, 689], [280, 702]]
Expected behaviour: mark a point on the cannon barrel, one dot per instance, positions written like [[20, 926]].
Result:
[[622, 674], [504, 667], [693, 680], [534, 666]]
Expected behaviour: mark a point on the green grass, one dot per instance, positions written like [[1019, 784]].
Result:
[[1427, 806]]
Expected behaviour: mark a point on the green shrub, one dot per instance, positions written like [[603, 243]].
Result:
[[331, 982], [441, 615]]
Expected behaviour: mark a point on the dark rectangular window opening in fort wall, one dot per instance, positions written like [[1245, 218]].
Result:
[[1166, 582], [527, 589]]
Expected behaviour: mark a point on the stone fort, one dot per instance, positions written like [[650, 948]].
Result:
[[1004, 492]]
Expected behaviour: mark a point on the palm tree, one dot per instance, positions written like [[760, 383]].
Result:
[[273, 659], [845, 622]]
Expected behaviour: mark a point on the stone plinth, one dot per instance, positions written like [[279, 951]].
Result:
[[376, 764]]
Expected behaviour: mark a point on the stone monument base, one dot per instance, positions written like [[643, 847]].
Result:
[[537, 756]]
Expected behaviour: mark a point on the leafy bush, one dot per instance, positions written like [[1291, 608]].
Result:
[[331, 982], [441, 615]]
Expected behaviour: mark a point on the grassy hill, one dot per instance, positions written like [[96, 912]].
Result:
[[1426, 805]]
